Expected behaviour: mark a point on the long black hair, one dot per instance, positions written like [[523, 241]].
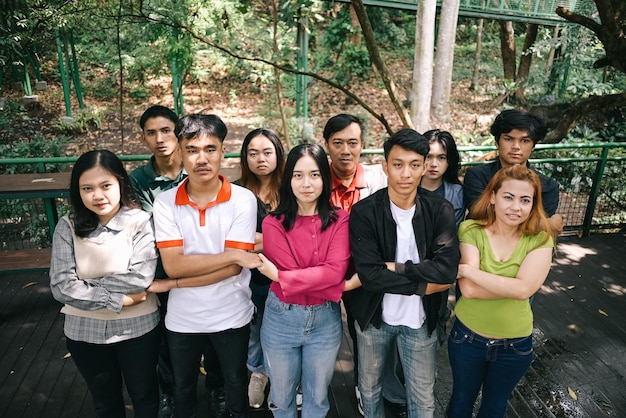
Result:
[[85, 221], [288, 205], [248, 179], [446, 140]]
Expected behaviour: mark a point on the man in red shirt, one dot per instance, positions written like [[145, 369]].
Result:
[[351, 182]]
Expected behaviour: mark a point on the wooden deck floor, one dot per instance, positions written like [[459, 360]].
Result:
[[580, 339]]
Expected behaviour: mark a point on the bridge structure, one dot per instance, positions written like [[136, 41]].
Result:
[[528, 11], [542, 12]]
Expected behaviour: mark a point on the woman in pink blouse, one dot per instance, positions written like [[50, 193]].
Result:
[[306, 253]]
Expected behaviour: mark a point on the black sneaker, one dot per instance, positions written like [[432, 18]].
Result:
[[166, 406], [398, 410], [217, 402]]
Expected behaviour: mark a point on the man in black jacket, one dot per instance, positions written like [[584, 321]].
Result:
[[406, 253]]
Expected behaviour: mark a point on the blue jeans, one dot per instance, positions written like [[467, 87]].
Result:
[[300, 344], [495, 364], [418, 355], [255, 350], [108, 367], [230, 347]]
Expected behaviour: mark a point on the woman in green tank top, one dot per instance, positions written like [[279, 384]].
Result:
[[506, 251]]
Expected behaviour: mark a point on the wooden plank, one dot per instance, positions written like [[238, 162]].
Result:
[[33, 259], [16, 335], [13, 186], [575, 346]]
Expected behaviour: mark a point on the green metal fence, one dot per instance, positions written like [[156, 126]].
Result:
[[592, 179]]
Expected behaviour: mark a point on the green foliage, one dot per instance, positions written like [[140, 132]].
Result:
[[577, 178], [350, 60], [25, 219], [37, 147], [84, 121], [12, 110]]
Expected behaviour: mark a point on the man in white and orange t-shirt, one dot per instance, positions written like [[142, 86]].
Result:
[[204, 229]]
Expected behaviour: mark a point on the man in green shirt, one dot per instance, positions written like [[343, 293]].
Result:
[[165, 168], [163, 172]]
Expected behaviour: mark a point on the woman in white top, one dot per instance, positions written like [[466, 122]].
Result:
[[103, 260]]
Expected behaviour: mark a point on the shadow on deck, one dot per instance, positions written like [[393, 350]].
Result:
[[580, 341]]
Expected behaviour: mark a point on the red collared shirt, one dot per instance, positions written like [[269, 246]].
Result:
[[344, 197]]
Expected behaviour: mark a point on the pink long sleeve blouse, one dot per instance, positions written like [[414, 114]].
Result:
[[311, 263]]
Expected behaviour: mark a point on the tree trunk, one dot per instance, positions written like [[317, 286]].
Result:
[[523, 70], [507, 47], [479, 48], [279, 92], [423, 64], [551, 55], [611, 30], [378, 62], [442, 81], [355, 37], [565, 118]]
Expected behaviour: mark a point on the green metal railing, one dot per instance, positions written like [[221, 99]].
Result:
[[591, 176]]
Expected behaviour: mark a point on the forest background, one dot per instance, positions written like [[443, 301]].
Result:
[[239, 59]]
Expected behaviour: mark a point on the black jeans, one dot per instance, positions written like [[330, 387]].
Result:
[[230, 347], [164, 367], [105, 367]]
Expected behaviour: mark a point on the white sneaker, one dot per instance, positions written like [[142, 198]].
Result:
[[359, 403], [256, 389], [299, 398]]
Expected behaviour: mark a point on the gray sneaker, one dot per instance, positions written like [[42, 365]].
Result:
[[256, 389]]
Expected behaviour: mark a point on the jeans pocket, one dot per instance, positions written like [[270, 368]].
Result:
[[522, 347], [457, 336], [274, 305]]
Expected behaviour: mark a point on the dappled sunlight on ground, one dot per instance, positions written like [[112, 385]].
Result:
[[575, 253]]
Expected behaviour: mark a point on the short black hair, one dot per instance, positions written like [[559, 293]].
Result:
[[192, 126], [155, 112], [408, 139], [339, 123], [511, 119]]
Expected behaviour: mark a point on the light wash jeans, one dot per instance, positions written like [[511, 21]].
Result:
[[300, 344], [418, 355]]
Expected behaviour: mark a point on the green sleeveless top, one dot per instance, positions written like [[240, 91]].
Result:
[[504, 318]]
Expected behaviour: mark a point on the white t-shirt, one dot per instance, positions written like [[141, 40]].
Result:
[[404, 309], [227, 222]]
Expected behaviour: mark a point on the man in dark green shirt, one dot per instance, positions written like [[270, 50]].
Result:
[[163, 172], [165, 168]]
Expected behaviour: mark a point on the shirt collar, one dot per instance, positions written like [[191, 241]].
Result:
[[182, 197], [358, 181], [119, 221], [148, 171]]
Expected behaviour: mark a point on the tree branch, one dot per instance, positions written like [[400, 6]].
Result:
[[589, 23], [173, 24]]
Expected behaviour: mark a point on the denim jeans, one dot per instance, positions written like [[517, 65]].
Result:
[[495, 364], [418, 355], [230, 347], [393, 378], [300, 345], [255, 350], [107, 367]]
